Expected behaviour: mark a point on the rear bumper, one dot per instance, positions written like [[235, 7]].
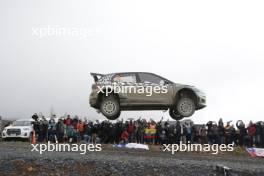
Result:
[[93, 99]]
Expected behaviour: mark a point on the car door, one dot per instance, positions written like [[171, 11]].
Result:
[[127, 85], [157, 89]]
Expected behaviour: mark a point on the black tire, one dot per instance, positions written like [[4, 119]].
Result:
[[110, 107], [185, 107], [174, 114]]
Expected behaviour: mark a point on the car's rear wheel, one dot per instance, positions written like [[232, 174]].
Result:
[[174, 114], [110, 107], [185, 107]]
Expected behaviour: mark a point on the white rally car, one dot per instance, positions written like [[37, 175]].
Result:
[[19, 129]]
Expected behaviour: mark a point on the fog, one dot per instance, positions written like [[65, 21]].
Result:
[[216, 46]]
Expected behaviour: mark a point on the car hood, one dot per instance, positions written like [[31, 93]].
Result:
[[184, 85]]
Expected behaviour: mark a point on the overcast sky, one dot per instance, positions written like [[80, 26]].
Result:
[[217, 46]]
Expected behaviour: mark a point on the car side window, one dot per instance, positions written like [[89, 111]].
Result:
[[126, 78], [150, 78]]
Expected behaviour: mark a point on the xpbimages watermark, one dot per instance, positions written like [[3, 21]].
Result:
[[59, 31], [139, 89], [214, 148], [60, 147]]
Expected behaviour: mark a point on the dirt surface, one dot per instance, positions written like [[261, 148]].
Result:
[[16, 158]]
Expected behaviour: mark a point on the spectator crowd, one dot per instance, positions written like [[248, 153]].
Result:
[[74, 129]]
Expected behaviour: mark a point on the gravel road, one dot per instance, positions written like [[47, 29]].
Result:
[[16, 158]]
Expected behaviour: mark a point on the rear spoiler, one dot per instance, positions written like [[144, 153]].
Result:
[[96, 76]]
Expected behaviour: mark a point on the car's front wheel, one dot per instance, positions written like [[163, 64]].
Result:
[[110, 107], [174, 114], [185, 107]]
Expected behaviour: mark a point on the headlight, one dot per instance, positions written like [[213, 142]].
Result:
[[26, 129]]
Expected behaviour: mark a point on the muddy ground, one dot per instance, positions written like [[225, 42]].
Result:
[[16, 158]]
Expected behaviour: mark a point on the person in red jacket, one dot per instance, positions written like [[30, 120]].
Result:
[[124, 137], [131, 130], [251, 132]]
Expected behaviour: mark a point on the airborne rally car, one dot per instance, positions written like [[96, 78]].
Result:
[[112, 93]]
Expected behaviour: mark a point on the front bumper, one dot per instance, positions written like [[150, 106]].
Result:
[[201, 102], [23, 135]]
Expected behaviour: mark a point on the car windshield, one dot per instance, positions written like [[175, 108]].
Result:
[[21, 123]]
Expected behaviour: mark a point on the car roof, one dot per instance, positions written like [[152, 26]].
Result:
[[137, 72], [129, 73]]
